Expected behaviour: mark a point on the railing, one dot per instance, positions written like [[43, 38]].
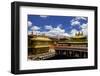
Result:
[[71, 48], [42, 56]]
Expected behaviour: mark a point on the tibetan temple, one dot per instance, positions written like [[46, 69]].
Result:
[[41, 47]]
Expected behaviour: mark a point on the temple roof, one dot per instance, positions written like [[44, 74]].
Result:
[[41, 46], [41, 38], [78, 37]]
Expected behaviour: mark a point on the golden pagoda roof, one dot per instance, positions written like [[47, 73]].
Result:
[[41, 38], [41, 46], [78, 37]]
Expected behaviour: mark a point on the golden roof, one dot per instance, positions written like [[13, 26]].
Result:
[[41, 39], [40, 46], [78, 37]]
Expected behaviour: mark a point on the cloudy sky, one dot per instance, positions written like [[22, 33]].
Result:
[[57, 25]]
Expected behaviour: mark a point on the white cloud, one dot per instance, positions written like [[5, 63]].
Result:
[[35, 28], [29, 23], [36, 32], [57, 32], [83, 26], [73, 32], [85, 32], [48, 27], [66, 34], [32, 27], [76, 21], [79, 18], [83, 18], [84, 29], [73, 23]]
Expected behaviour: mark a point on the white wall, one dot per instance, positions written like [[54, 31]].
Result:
[[5, 42]]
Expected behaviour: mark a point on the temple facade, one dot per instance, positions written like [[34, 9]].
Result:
[[76, 46], [40, 47]]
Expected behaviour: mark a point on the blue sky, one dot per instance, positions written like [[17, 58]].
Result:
[[57, 25]]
